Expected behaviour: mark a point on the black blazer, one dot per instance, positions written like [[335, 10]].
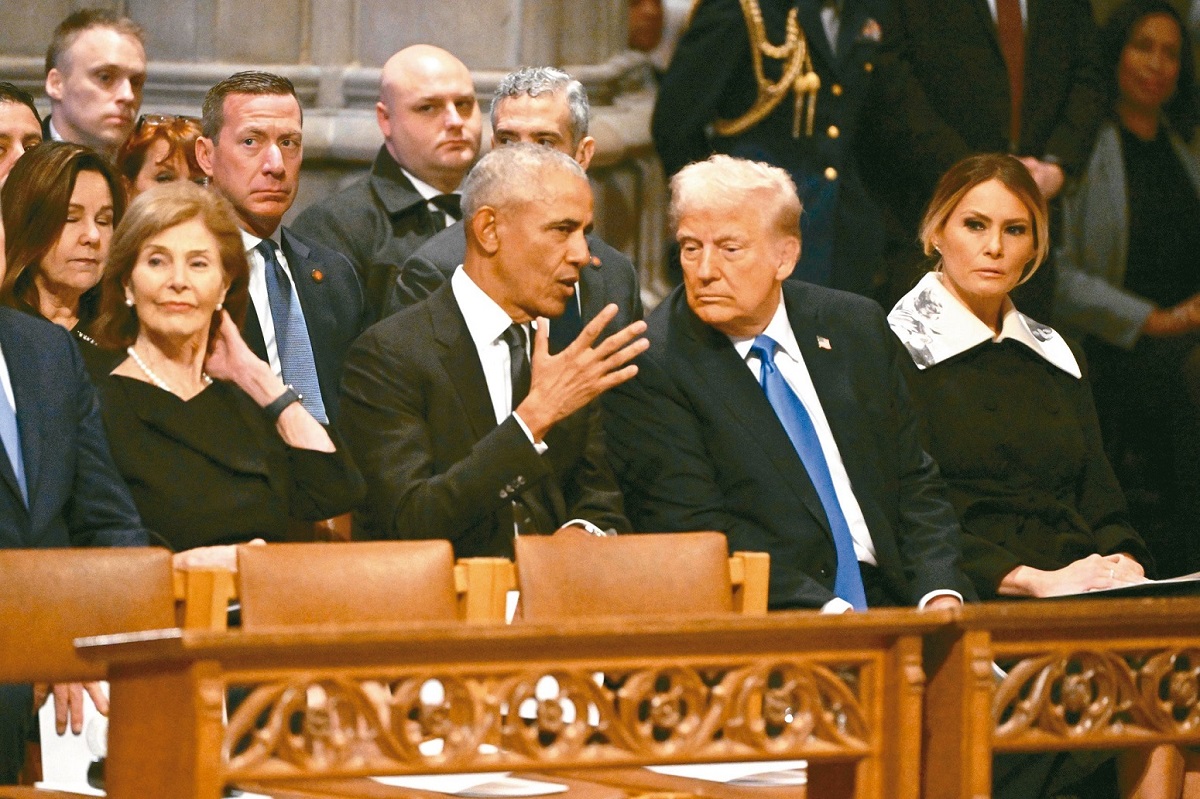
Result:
[[376, 222], [333, 305], [698, 447], [76, 496], [614, 280], [418, 420], [944, 87]]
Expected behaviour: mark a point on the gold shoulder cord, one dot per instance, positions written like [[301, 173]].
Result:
[[798, 75]]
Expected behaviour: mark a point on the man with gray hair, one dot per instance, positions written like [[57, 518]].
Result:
[[463, 426], [431, 127], [545, 106], [775, 411]]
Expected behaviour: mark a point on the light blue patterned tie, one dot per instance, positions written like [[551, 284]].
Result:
[[291, 334], [11, 438], [794, 417]]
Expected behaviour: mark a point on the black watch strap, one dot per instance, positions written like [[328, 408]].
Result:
[[280, 404]]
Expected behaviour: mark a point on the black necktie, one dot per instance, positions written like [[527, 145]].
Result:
[[518, 362], [448, 204]]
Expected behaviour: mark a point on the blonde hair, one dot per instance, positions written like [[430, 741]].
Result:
[[723, 176]]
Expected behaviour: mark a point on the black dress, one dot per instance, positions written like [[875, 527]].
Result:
[[214, 470], [1018, 444]]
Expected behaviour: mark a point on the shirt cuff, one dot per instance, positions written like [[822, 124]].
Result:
[[932, 595], [539, 446], [587, 527], [836, 605]]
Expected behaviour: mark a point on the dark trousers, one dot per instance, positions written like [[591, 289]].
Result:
[[16, 716]]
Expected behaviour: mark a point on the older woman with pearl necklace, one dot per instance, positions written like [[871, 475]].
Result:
[[215, 448]]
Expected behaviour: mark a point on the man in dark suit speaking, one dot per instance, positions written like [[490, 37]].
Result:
[[307, 305], [777, 413], [457, 434], [546, 106]]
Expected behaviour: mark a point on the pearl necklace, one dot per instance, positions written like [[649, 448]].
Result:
[[154, 378]]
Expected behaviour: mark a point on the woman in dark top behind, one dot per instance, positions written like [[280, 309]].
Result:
[[215, 448], [1009, 419], [60, 205], [1129, 277]]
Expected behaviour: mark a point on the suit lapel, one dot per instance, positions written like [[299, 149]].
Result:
[[310, 289], [715, 359], [593, 291], [25, 378], [983, 14], [253, 334], [460, 361]]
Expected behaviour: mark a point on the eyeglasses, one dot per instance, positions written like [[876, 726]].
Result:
[[162, 119]]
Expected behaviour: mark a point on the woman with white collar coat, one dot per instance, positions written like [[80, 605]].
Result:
[[1010, 421]]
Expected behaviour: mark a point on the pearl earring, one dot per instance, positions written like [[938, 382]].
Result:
[[129, 301], [220, 305]]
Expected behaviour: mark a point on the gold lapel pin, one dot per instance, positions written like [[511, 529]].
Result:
[[318, 275]]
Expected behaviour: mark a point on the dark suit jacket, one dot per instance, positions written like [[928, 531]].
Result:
[[698, 447], [376, 222], [711, 77], [943, 86], [418, 420], [614, 280], [334, 311], [76, 496]]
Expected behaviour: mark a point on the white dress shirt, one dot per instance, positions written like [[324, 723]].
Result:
[[6, 383], [258, 293], [1024, 11], [486, 323]]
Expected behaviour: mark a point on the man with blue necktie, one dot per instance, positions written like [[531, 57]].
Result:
[[307, 304], [776, 412]]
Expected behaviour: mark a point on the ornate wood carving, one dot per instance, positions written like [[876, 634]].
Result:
[[411, 722], [1086, 694]]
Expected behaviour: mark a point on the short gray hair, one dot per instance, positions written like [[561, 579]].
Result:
[[536, 81], [511, 173], [723, 178]]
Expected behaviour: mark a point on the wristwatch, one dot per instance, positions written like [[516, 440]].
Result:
[[277, 406]]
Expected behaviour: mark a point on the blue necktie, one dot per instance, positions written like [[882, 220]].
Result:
[[11, 438], [792, 415], [291, 334]]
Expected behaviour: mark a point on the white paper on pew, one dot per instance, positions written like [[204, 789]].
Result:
[[65, 758], [767, 772], [72, 787], [484, 784]]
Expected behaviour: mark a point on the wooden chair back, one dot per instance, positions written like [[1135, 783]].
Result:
[[576, 576], [335, 583], [50, 597]]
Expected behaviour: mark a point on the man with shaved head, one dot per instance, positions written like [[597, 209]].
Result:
[[431, 127]]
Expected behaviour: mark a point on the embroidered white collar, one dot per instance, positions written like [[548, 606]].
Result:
[[934, 326]]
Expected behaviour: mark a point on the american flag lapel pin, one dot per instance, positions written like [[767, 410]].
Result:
[[823, 343]]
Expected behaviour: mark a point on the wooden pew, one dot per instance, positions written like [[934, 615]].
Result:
[[1081, 674], [790, 685]]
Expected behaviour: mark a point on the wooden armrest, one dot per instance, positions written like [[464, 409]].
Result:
[[750, 573], [202, 597]]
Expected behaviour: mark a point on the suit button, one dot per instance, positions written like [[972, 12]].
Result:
[[520, 481], [830, 173], [868, 67], [833, 132], [836, 89]]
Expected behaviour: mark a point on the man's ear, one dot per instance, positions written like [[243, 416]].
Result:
[[789, 254], [585, 151], [381, 116], [204, 154], [54, 84], [485, 231]]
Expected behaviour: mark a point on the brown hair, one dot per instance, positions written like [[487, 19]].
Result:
[[154, 211], [34, 204], [250, 82], [969, 173], [180, 134], [85, 19]]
